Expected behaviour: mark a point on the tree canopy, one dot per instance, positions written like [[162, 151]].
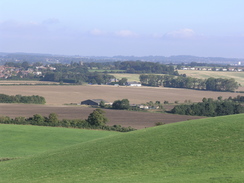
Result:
[[209, 107], [213, 84], [121, 104], [97, 118]]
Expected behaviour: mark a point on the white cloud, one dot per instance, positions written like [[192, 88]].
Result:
[[97, 32], [182, 34], [126, 33]]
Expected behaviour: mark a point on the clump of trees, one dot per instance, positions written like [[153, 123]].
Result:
[[210, 107], [34, 99], [237, 99], [123, 81], [123, 104], [213, 84], [96, 120], [78, 77]]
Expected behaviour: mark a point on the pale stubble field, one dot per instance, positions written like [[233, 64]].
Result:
[[59, 95]]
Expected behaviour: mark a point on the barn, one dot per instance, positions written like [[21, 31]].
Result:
[[94, 102]]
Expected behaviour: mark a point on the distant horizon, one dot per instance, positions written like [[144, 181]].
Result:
[[54, 54], [129, 27]]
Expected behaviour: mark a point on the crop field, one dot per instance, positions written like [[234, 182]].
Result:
[[238, 76], [59, 95], [204, 150], [134, 119]]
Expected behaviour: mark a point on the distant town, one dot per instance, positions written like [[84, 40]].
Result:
[[38, 71]]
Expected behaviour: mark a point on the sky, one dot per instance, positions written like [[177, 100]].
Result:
[[209, 28]]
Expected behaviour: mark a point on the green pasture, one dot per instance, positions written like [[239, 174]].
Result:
[[204, 150], [20, 140], [238, 76]]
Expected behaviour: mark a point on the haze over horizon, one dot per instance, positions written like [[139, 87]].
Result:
[[109, 28]]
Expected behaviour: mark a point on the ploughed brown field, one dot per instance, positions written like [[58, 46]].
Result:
[[58, 95], [134, 119]]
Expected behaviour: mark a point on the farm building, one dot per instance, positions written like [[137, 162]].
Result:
[[133, 83], [94, 102]]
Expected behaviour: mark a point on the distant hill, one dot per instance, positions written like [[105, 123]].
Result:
[[49, 58], [204, 150]]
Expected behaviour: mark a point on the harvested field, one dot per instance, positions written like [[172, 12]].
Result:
[[238, 76], [23, 82], [130, 77], [134, 119], [58, 95]]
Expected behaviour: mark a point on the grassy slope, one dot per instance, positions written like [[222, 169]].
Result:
[[20, 140], [205, 150]]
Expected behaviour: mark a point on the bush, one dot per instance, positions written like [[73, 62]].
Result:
[[159, 123], [166, 102]]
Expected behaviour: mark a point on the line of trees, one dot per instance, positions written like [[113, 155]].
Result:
[[237, 99], [210, 107], [96, 120], [78, 78], [213, 84], [135, 67], [34, 99]]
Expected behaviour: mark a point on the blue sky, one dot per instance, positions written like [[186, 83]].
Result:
[[128, 27]]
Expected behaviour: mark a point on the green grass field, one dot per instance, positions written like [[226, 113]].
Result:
[[20, 141], [205, 150]]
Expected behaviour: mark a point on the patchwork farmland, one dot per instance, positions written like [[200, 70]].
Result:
[[134, 119], [59, 95]]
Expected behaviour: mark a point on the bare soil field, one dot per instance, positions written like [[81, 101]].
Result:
[[134, 119], [58, 95]]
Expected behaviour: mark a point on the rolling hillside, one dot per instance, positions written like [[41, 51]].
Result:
[[204, 150], [22, 140]]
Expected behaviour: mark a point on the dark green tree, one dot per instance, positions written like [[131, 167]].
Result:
[[122, 81], [102, 104], [121, 104], [97, 118], [38, 118], [53, 119]]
